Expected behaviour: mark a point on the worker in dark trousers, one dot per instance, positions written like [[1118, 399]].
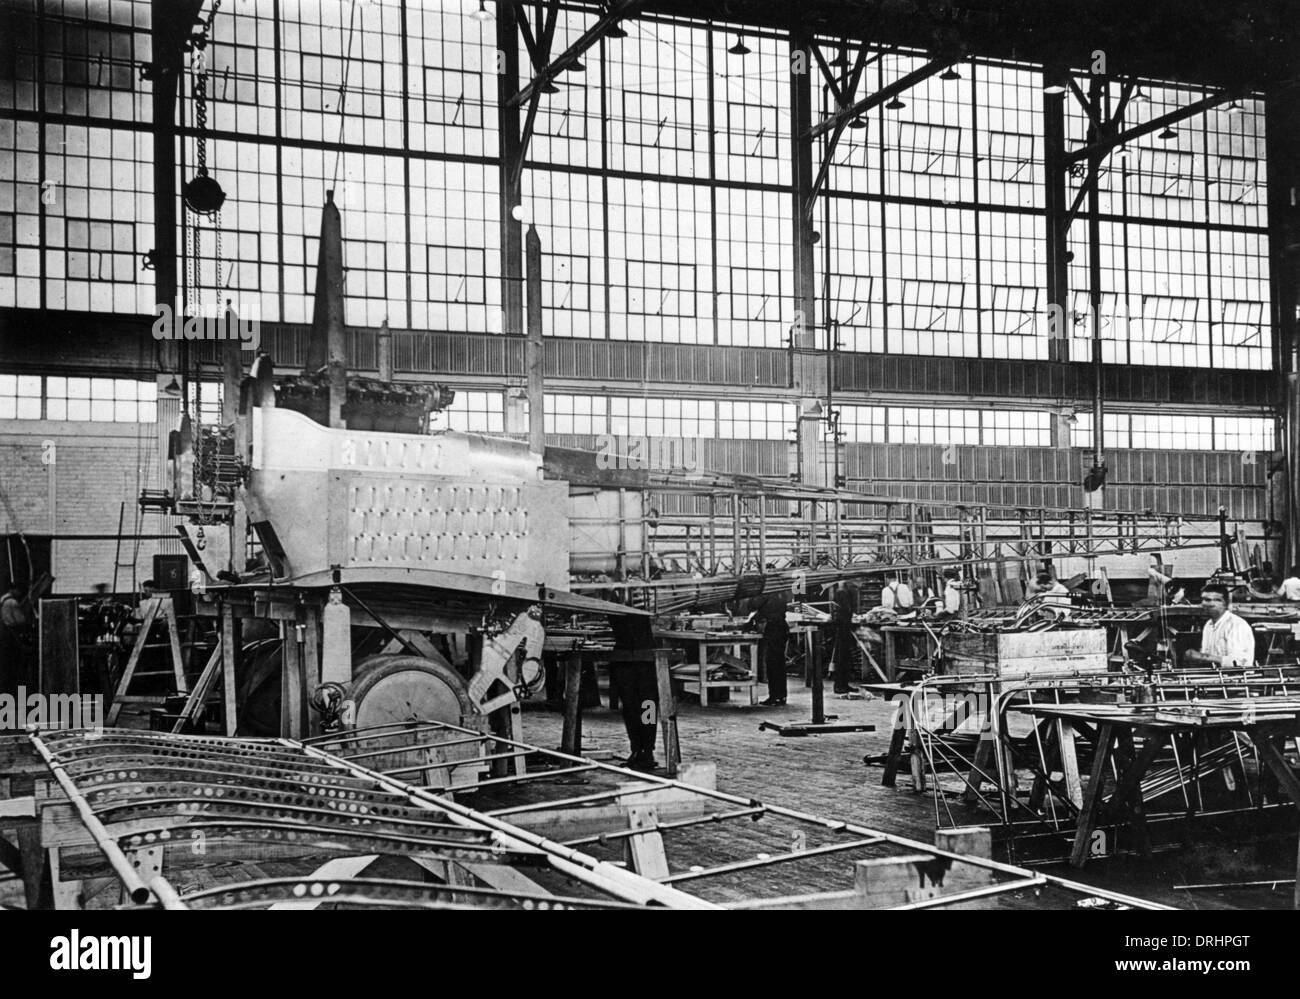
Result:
[[843, 607], [637, 689], [770, 610]]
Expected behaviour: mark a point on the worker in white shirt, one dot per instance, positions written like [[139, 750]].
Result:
[[1290, 588], [1050, 591], [897, 595], [1227, 640], [951, 591]]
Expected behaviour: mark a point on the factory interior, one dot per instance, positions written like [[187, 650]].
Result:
[[624, 454]]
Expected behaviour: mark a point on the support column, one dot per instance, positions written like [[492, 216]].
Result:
[[534, 353], [1283, 165], [809, 367], [172, 28], [1056, 204], [1094, 498], [511, 152]]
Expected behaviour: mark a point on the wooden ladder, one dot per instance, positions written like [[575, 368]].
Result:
[[158, 611]]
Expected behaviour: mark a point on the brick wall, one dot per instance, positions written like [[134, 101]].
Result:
[[60, 478]]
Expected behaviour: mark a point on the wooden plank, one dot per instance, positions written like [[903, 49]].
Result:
[[174, 639], [291, 685], [668, 711], [59, 651], [1065, 741], [1092, 795], [198, 695], [230, 639], [571, 733], [645, 851]]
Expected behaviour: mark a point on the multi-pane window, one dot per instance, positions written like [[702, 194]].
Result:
[[660, 288], [755, 293], [20, 397], [921, 425], [1010, 157], [576, 414], [566, 281], [101, 400], [916, 425], [1245, 433], [1016, 428], [453, 97], [932, 149], [658, 121], [1179, 432], [863, 424], [661, 417], [472, 411], [7, 245], [457, 273], [763, 421]]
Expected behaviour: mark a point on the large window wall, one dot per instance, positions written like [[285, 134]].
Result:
[[658, 180]]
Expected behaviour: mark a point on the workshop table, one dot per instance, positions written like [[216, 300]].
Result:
[[891, 633], [699, 643], [1267, 721]]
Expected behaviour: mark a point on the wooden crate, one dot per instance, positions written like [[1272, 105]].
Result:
[[1001, 653]]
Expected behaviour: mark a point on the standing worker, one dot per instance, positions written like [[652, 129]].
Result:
[[842, 609], [638, 690], [897, 594], [771, 610]]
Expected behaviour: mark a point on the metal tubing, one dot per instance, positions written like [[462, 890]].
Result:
[[139, 892]]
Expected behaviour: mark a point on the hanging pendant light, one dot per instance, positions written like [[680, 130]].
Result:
[[1167, 134], [950, 74], [615, 30], [740, 48], [482, 14], [896, 104]]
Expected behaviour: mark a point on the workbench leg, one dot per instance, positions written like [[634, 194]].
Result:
[[894, 756], [1129, 786], [1069, 762], [571, 733], [65, 895], [818, 693], [1092, 795], [1271, 755], [704, 675], [667, 713], [35, 870], [291, 685], [753, 671], [230, 647]]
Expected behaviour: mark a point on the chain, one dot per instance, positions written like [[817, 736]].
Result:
[[216, 284], [201, 88]]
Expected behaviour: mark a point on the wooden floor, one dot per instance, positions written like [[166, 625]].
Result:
[[825, 775]]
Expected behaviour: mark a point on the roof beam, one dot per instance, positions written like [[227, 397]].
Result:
[[899, 86], [627, 9], [1105, 145]]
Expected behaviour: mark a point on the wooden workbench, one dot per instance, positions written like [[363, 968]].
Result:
[[1267, 721]]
